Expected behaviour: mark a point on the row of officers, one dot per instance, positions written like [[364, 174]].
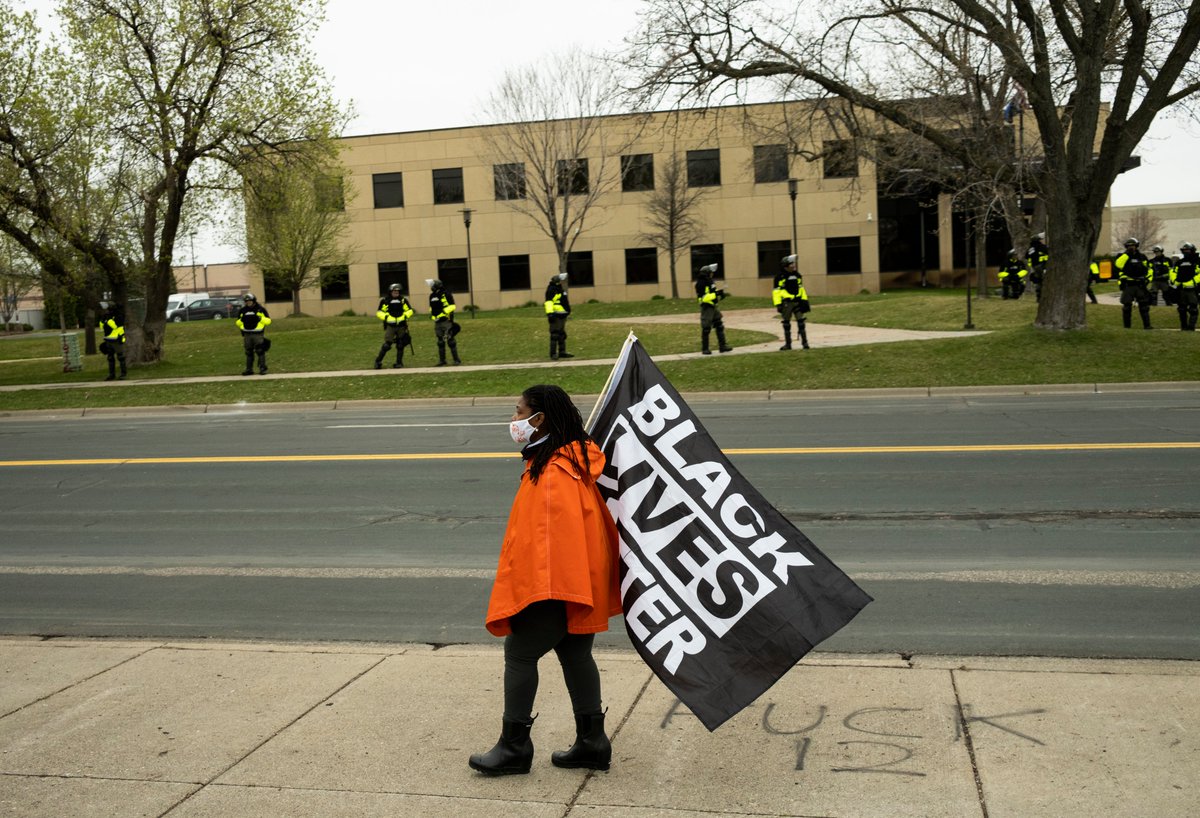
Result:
[[1143, 280]]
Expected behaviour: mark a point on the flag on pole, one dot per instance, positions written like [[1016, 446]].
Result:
[[722, 595]]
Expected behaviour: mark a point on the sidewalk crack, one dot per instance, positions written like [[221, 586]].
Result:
[[965, 731]]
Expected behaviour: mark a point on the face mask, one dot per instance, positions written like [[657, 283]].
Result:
[[522, 430]]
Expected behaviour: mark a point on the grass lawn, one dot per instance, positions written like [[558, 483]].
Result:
[[1012, 352]]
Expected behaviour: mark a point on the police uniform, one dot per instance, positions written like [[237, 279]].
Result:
[[1037, 258], [791, 299], [1133, 274], [1185, 283], [558, 310], [253, 320], [1160, 277], [710, 316], [1093, 277], [1012, 276], [112, 324], [441, 310], [394, 311]]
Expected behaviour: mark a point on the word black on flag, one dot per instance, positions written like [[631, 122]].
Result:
[[722, 595]]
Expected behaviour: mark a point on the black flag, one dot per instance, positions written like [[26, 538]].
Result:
[[721, 594]]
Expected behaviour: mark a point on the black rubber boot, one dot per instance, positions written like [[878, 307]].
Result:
[[787, 336], [1127, 317], [441, 355], [399, 358], [454, 354], [553, 348], [591, 750], [513, 753], [721, 345], [379, 358], [803, 335], [562, 349], [249, 364], [112, 370]]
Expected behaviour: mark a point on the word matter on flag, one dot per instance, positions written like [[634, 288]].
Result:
[[722, 595]]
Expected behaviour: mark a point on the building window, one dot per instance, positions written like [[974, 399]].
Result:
[[637, 172], [705, 254], [448, 186], [509, 181], [572, 177], [579, 268], [704, 168], [770, 254], [389, 189], [453, 273], [335, 282], [641, 265], [514, 273], [393, 272], [273, 290], [770, 163], [841, 162], [329, 193], [843, 255]]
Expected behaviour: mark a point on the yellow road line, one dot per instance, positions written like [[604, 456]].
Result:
[[319, 458]]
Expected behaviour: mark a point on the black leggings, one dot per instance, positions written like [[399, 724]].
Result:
[[536, 630]]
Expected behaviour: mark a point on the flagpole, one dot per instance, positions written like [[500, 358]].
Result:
[[629, 339]]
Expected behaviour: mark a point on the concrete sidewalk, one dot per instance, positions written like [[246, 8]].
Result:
[[188, 729]]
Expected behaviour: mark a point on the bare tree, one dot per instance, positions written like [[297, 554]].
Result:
[[1093, 74], [553, 158], [673, 216], [296, 223], [1143, 225], [156, 101]]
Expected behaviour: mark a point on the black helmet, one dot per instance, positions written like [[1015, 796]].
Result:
[[1187, 246], [248, 297]]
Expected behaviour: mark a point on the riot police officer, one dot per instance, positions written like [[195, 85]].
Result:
[[253, 320], [791, 299], [1133, 275], [1185, 281], [112, 324], [1012, 275], [394, 311], [1160, 276], [441, 310], [558, 310], [709, 295]]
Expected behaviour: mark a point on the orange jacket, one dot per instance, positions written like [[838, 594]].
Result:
[[561, 543]]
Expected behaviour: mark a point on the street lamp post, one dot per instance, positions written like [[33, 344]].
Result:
[[793, 187], [466, 214]]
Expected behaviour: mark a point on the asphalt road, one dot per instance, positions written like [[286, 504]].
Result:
[[1061, 525]]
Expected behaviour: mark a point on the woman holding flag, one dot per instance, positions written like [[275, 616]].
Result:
[[556, 583]]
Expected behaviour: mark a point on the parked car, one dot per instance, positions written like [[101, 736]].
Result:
[[217, 308]]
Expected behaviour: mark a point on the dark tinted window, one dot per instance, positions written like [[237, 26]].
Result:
[[509, 181], [453, 273], [843, 255], [704, 254], [447, 186], [388, 189], [393, 272], [572, 176], [770, 253], [335, 282], [770, 163], [704, 167], [840, 160], [637, 172], [514, 272], [579, 268], [641, 265]]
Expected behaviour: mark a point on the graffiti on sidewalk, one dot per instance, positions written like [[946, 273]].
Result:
[[886, 749]]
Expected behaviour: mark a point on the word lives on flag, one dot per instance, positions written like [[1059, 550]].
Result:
[[722, 595]]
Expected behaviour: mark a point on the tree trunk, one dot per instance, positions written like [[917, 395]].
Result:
[[295, 301], [1071, 240]]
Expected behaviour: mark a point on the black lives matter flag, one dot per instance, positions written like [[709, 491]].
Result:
[[721, 594]]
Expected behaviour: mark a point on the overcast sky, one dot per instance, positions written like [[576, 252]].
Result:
[[411, 66]]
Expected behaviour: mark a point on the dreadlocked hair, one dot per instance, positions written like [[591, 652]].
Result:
[[561, 425]]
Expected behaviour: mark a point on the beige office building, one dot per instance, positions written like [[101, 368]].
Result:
[[409, 191]]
